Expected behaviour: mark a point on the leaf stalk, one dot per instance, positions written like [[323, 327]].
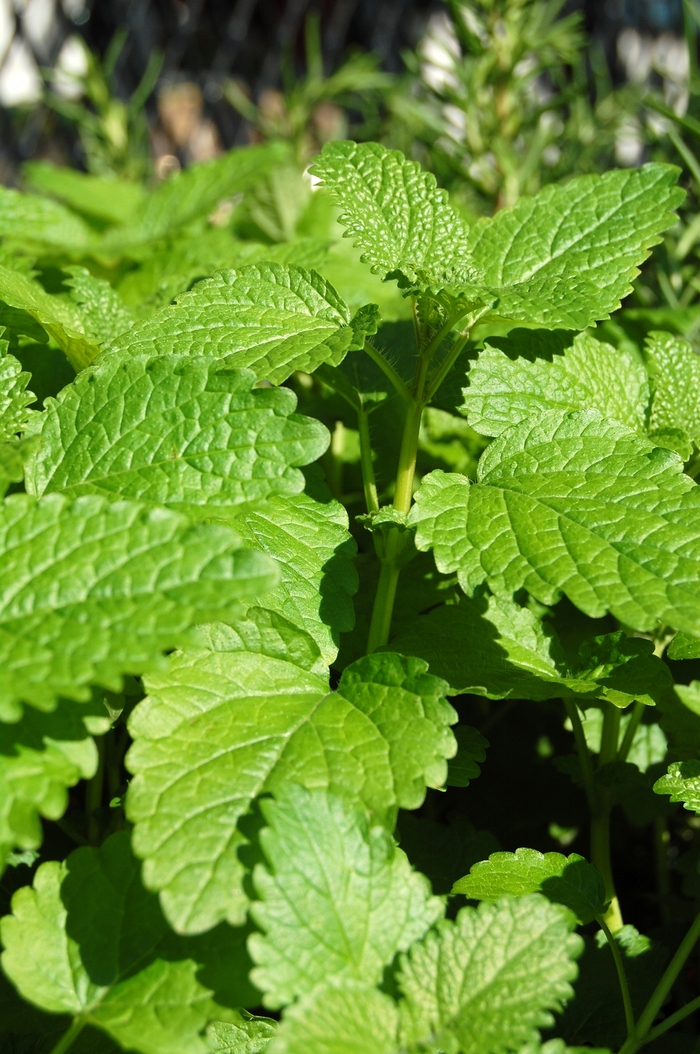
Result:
[[69, 1037]]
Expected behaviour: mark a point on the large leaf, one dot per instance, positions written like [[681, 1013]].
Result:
[[60, 317], [517, 953], [567, 256], [522, 376], [573, 504], [314, 550], [338, 900], [173, 430], [14, 398], [41, 756], [675, 372], [90, 590], [222, 726], [396, 214], [266, 317], [89, 941], [570, 881]]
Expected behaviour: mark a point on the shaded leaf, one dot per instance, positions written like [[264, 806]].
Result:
[[682, 783], [471, 748]]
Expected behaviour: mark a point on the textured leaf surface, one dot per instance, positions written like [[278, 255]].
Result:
[[567, 256], [339, 1018], [395, 213], [576, 505], [41, 756], [248, 1035], [675, 371], [314, 550], [220, 727], [520, 377], [174, 430], [570, 881], [59, 317], [26, 218], [103, 313], [337, 899], [14, 398], [682, 783], [89, 941], [91, 590], [517, 953], [266, 317]]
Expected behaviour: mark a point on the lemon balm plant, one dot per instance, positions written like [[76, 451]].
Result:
[[176, 581]]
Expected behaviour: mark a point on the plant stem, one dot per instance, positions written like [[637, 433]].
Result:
[[621, 975], [446, 365], [669, 1022], [380, 625], [368, 480], [634, 723], [69, 1037], [610, 735], [668, 979], [389, 371], [407, 459], [600, 819], [583, 754]]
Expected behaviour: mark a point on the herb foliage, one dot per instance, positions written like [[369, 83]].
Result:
[[176, 612]]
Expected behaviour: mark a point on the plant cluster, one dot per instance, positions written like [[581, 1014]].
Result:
[[228, 710]]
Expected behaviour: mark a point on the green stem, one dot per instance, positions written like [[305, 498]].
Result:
[[368, 479], [600, 856], [389, 371], [93, 793], [583, 754], [634, 723], [403, 494], [610, 735], [68, 1038], [380, 626], [666, 983], [669, 1022], [446, 365], [621, 975]]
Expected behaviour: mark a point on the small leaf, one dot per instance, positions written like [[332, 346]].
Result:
[[14, 399], [517, 953], [471, 748], [266, 317], [89, 941], [61, 319], [220, 727], [173, 430], [530, 372], [339, 1018], [337, 899], [682, 783], [683, 646], [675, 373], [247, 1035], [578, 505], [91, 590], [570, 881], [567, 256], [103, 313], [396, 213]]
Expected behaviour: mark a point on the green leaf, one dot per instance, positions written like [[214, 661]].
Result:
[[247, 1035], [567, 256], [649, 744], [89, 941], [61, 319], [683, 646], [517, 953], [110, 200], [337, 899], [340, 1018], [14, 399], [520, 377], [314, 550], [577, 505], [220, 727], [266, 317], [675, 373], [103, 313], [26, 218], [173, 430], [471, 748], [682, 783], [396, 213], [41, 756], [91, 590], [570, 881]]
